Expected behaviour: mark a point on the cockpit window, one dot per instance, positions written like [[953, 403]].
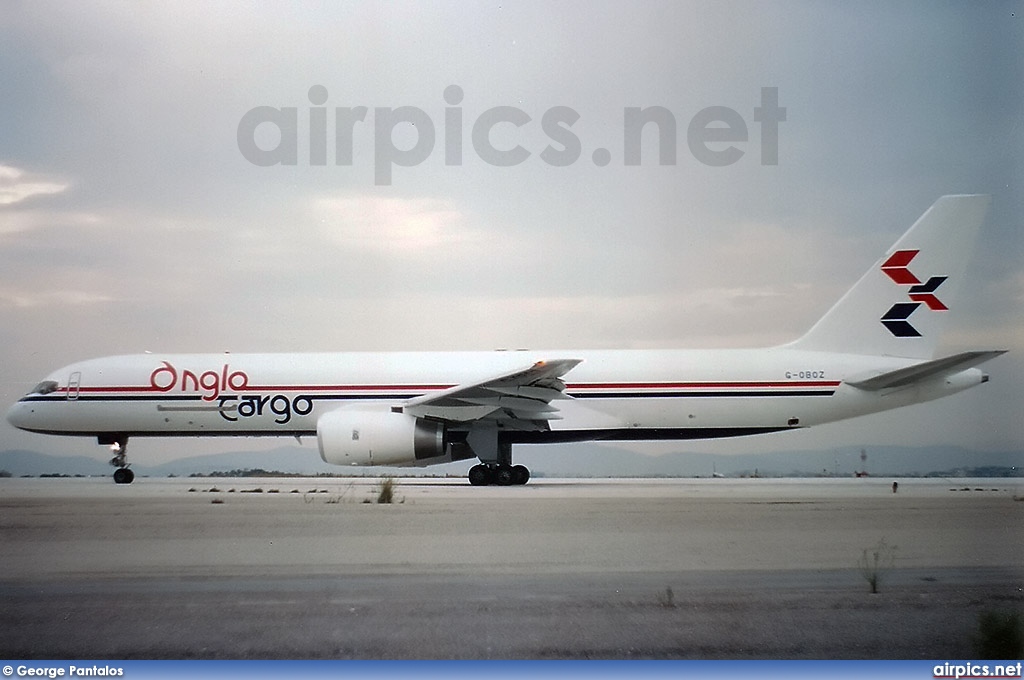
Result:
[[45, 387]]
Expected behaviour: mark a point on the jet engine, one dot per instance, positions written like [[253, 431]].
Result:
[[365, 436]]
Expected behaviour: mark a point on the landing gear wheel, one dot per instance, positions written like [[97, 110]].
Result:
[[504, 476], [520, 474], [479, 475], [123, 476]]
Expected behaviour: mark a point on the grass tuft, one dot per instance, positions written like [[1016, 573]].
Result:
[[876, 561], [386, 490]]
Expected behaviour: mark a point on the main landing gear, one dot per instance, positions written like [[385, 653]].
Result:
[[495, 454], [500, 475], [123, 474]]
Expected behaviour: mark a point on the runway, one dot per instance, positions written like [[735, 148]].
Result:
[[304, 568]]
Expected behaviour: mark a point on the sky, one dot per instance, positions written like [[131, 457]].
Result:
[[138, 211]]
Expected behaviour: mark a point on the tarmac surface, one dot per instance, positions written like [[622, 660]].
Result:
[[307, 568]]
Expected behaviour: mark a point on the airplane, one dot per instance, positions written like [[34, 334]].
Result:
[[872, 351]]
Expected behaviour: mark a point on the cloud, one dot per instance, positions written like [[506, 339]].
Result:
[[404, 227], [16, 187], [55, 298], [21, 220]]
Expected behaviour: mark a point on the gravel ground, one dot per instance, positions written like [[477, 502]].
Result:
[[626, 569]]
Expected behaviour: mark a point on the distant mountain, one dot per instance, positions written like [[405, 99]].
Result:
[[292, 459], [567, 461], [20, 463]]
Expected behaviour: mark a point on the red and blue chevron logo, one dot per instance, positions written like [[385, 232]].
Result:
[[897, 268]]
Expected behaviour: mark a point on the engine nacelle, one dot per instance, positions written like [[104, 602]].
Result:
[[364, 436]]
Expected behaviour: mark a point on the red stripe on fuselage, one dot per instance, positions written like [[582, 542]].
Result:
[[702, 385], [431, 388]]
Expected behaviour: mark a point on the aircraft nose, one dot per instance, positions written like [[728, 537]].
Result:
[[19, 415]]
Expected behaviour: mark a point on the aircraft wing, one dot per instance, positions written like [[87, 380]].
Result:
[[521, 398], [928, 369]]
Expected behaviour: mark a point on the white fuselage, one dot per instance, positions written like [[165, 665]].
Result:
[[622, 394]]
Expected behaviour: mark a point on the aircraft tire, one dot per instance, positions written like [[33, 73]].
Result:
[[123, 476], [479, 475], [520, 474], [504, 476]]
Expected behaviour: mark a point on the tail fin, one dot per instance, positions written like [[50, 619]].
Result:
[[900, 306]]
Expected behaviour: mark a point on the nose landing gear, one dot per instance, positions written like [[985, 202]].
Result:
[[123, 474]]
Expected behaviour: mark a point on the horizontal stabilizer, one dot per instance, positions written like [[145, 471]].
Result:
[[923, 371]]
